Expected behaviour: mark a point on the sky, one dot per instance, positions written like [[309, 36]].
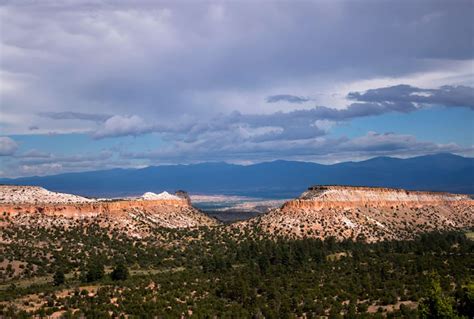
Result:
[[88, 85]]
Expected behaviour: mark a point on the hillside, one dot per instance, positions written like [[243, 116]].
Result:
[[364, 213], [278, 179]]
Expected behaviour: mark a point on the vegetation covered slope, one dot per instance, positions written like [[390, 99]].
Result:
[[127, 262], [223, 272]]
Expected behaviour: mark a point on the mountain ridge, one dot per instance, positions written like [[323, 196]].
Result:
[[278, 179]]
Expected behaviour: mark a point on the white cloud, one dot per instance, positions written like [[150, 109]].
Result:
[[41, 169], [34, 162], [7, 146], [121, 126]]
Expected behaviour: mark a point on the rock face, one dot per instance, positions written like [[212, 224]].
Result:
[[367, 213], [136, 216]]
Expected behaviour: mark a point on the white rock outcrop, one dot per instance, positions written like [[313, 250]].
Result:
[[36, 194], [163, 195]]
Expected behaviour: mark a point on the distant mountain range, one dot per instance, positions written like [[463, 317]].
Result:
[[277, 179]]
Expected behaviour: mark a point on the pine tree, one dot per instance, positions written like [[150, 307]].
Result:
[[59, 278], [95, 271], [120, 272], [437, 305]]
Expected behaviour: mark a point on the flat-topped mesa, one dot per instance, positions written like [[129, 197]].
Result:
[[34, 199], [347, 196], [136, 216], [367, 213], [355, 193], [39, 195]]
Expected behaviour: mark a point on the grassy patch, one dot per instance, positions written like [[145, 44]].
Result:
[[470, 235]]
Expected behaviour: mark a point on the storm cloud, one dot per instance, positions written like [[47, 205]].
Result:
[[287, 98]]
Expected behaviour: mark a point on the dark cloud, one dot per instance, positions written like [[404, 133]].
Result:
[[406, 97], [290, 133], [400, 98], [287, 98], [75, 116]]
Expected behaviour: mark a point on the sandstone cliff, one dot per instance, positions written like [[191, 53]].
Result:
[[366, 213]]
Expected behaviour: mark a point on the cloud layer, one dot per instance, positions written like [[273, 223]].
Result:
[[299, 124], [191, 77], [320, 149], [408, 98], [80, 59]]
